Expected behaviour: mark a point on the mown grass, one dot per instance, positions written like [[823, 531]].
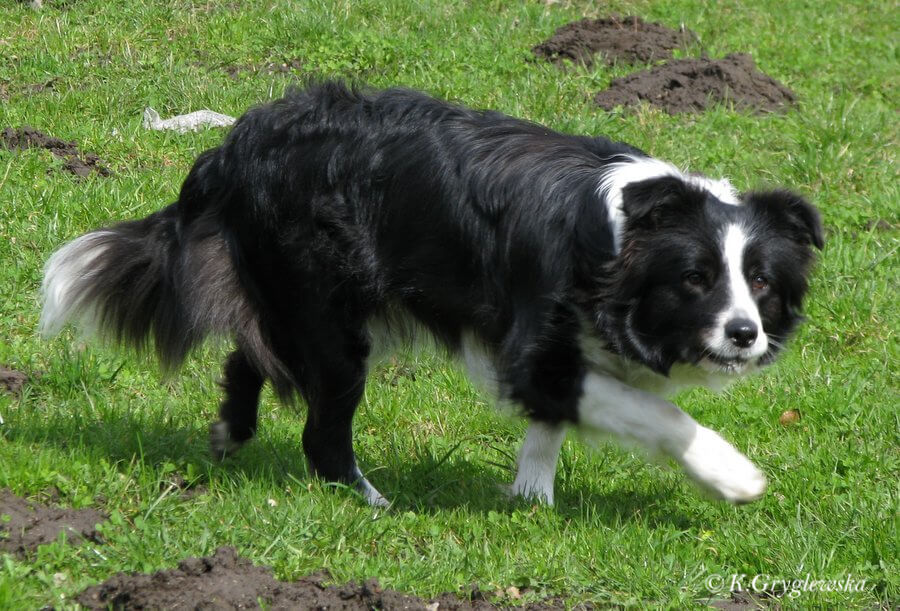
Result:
[[102, 428]]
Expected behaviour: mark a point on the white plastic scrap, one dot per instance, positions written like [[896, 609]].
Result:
[[184, 123]]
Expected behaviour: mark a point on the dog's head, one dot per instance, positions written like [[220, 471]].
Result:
[[701, 281]]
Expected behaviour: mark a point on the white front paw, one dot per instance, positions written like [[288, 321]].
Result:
[[539, 492], [718, 467]]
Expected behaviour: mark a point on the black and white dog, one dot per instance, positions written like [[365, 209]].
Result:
[[577, 278]]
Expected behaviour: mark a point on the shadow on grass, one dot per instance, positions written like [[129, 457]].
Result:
[[467, 485], [424, 484]]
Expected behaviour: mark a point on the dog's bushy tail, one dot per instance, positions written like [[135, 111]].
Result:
[[161, 282]]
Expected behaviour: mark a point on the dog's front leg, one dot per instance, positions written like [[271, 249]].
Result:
[[609, 406], [537, 462]]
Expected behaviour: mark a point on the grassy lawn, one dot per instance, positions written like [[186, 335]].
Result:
[[103, 429]]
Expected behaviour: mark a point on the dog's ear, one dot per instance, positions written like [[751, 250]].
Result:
[[801, 217], [649, 203]]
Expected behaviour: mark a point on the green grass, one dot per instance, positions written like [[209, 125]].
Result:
[[103, 429]]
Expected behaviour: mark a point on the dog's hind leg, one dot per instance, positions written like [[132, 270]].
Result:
[[333, 384], [238, 411]]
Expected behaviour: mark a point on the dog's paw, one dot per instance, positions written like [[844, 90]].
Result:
[[718, 467], [221, 445], [534, 492]]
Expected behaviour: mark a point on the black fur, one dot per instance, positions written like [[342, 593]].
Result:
[[332, 206]]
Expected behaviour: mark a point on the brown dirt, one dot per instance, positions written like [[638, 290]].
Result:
[[74, 161], [31, 524], [226, 581], [627, 40], [692, 85], [746, 601], [11, 381], [188, 489]]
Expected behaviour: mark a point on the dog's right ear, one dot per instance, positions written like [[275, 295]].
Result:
[[649, 203], [792, 211]]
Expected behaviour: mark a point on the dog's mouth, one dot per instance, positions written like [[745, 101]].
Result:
[[719, 363]]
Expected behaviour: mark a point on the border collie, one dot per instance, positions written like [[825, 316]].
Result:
[[577, 278]]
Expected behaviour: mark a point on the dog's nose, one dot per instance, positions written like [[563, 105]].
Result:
[[741, 331]]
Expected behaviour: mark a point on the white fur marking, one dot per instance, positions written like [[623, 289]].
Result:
[[537, 462], [742, 304], [620, 175], [721, 188], [610, 406], [65, 271]]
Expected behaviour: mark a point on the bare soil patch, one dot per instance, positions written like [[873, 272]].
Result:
[[693, 85], [627, 40], [186, 488], [12, 381], [746, 601], [74, 161], [24, 524], [227, 581]]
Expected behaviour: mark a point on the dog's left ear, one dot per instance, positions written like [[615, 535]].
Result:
[[800, 215]]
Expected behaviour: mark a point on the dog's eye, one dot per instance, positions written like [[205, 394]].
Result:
[[695, 279], [759, 283]]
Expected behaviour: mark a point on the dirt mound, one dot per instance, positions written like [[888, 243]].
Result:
[[74, 161], [32, 524], [620, 39], [693, 85], [226, 581], [11, 381]]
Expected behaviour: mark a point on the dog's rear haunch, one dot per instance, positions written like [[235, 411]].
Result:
[[577, 278]]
